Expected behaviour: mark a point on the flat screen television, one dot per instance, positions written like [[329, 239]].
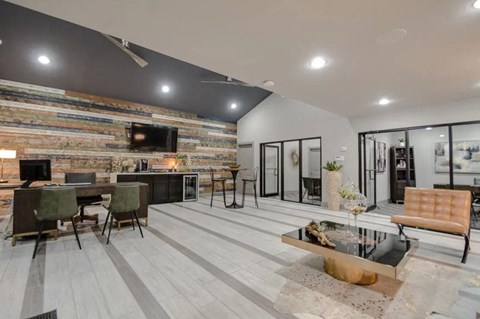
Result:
[[151, 138], [35, 170]]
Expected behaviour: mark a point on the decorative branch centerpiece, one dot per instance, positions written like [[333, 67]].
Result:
[[317, 230]]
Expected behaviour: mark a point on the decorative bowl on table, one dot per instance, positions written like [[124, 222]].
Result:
[[234, 166]]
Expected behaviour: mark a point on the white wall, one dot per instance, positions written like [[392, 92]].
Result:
[[388, 118], [278, 118]]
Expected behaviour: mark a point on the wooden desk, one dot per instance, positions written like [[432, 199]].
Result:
[[8, 186], [473, 188], [25, 200]]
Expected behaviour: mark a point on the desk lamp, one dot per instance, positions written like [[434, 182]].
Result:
[[3, 155]]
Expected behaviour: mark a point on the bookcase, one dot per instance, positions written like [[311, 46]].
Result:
[[399, 171]]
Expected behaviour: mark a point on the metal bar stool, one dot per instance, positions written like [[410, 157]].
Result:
[[214, 179], [250, 180]]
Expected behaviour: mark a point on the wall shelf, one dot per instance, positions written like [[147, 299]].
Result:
[[398, 175]]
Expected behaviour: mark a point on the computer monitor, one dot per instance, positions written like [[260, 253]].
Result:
[[35, 170]]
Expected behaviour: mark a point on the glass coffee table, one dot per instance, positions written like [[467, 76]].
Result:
[[360, 253]]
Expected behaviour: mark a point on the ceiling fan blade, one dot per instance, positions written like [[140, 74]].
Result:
[[229, 83], [135, 57], [243, 84], [217, 82]]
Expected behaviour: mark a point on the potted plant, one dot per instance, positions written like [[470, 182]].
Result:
[[182, 162], [401, 142], [334, 181]]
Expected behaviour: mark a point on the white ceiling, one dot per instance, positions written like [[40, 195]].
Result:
[[438, 61]]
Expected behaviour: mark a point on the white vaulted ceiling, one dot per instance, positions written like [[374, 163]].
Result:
[[251, 40]]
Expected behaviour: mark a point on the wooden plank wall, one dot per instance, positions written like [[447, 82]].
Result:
[[81, 132]]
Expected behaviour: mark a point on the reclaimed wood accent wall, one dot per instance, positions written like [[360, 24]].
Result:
[[81, 132]]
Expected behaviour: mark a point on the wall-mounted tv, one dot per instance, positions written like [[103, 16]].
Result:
[[151, 138]]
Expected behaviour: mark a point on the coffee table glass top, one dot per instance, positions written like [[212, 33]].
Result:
[[379, 247]]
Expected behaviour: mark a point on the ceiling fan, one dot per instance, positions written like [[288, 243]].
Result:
[[229, 81], [124, 46]]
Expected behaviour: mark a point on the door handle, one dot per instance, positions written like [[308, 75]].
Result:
[[275, 171], [370, 171]]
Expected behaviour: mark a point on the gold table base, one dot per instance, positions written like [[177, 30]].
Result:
[[347, 272]]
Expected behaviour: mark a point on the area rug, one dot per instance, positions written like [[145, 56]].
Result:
[[424, 287]]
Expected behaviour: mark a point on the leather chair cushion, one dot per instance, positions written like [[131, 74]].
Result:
[[426, 223]]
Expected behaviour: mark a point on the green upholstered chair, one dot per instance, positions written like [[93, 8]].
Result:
[[56, 204], [125, 199]]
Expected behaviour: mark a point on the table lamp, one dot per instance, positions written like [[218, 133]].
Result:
[[3, 155]]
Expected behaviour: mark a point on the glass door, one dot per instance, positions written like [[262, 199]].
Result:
[[368, 168], [291, 156], [311, 171], [370, 176], [271, 161]]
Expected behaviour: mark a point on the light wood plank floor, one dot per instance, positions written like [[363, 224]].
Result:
[[194, 262]]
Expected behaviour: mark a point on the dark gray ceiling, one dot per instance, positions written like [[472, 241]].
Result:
[[83, 60]]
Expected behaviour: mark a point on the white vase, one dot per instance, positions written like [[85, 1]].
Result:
[[334, 181]]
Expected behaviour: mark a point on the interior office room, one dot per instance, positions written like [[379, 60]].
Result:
[[272, 159]]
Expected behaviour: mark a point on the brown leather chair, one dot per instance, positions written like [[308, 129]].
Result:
[[441, 210]]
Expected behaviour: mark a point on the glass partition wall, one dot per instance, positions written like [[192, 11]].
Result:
[[419, 157], [291, 170]]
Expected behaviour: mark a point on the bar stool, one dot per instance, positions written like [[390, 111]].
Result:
[[125, 199], [56, 204], [214, 179], [250, 180]]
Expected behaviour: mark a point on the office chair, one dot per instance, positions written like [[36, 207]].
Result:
[[312, 187], [56, 204], [84, 177]]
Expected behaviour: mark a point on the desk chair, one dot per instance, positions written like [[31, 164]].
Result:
[[214, 179], [56, 204], [84, 177], [312, 187], [252, 180], [125, 199]]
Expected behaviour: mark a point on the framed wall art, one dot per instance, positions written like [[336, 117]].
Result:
[[466, 157]]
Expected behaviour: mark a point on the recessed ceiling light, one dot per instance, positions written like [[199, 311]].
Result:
[[442, 135], [476, 4], [165, 88], [428, 129], [43, 59], [317, 63], [268, 83], [233, 106], [1, 41], [384, 101]]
